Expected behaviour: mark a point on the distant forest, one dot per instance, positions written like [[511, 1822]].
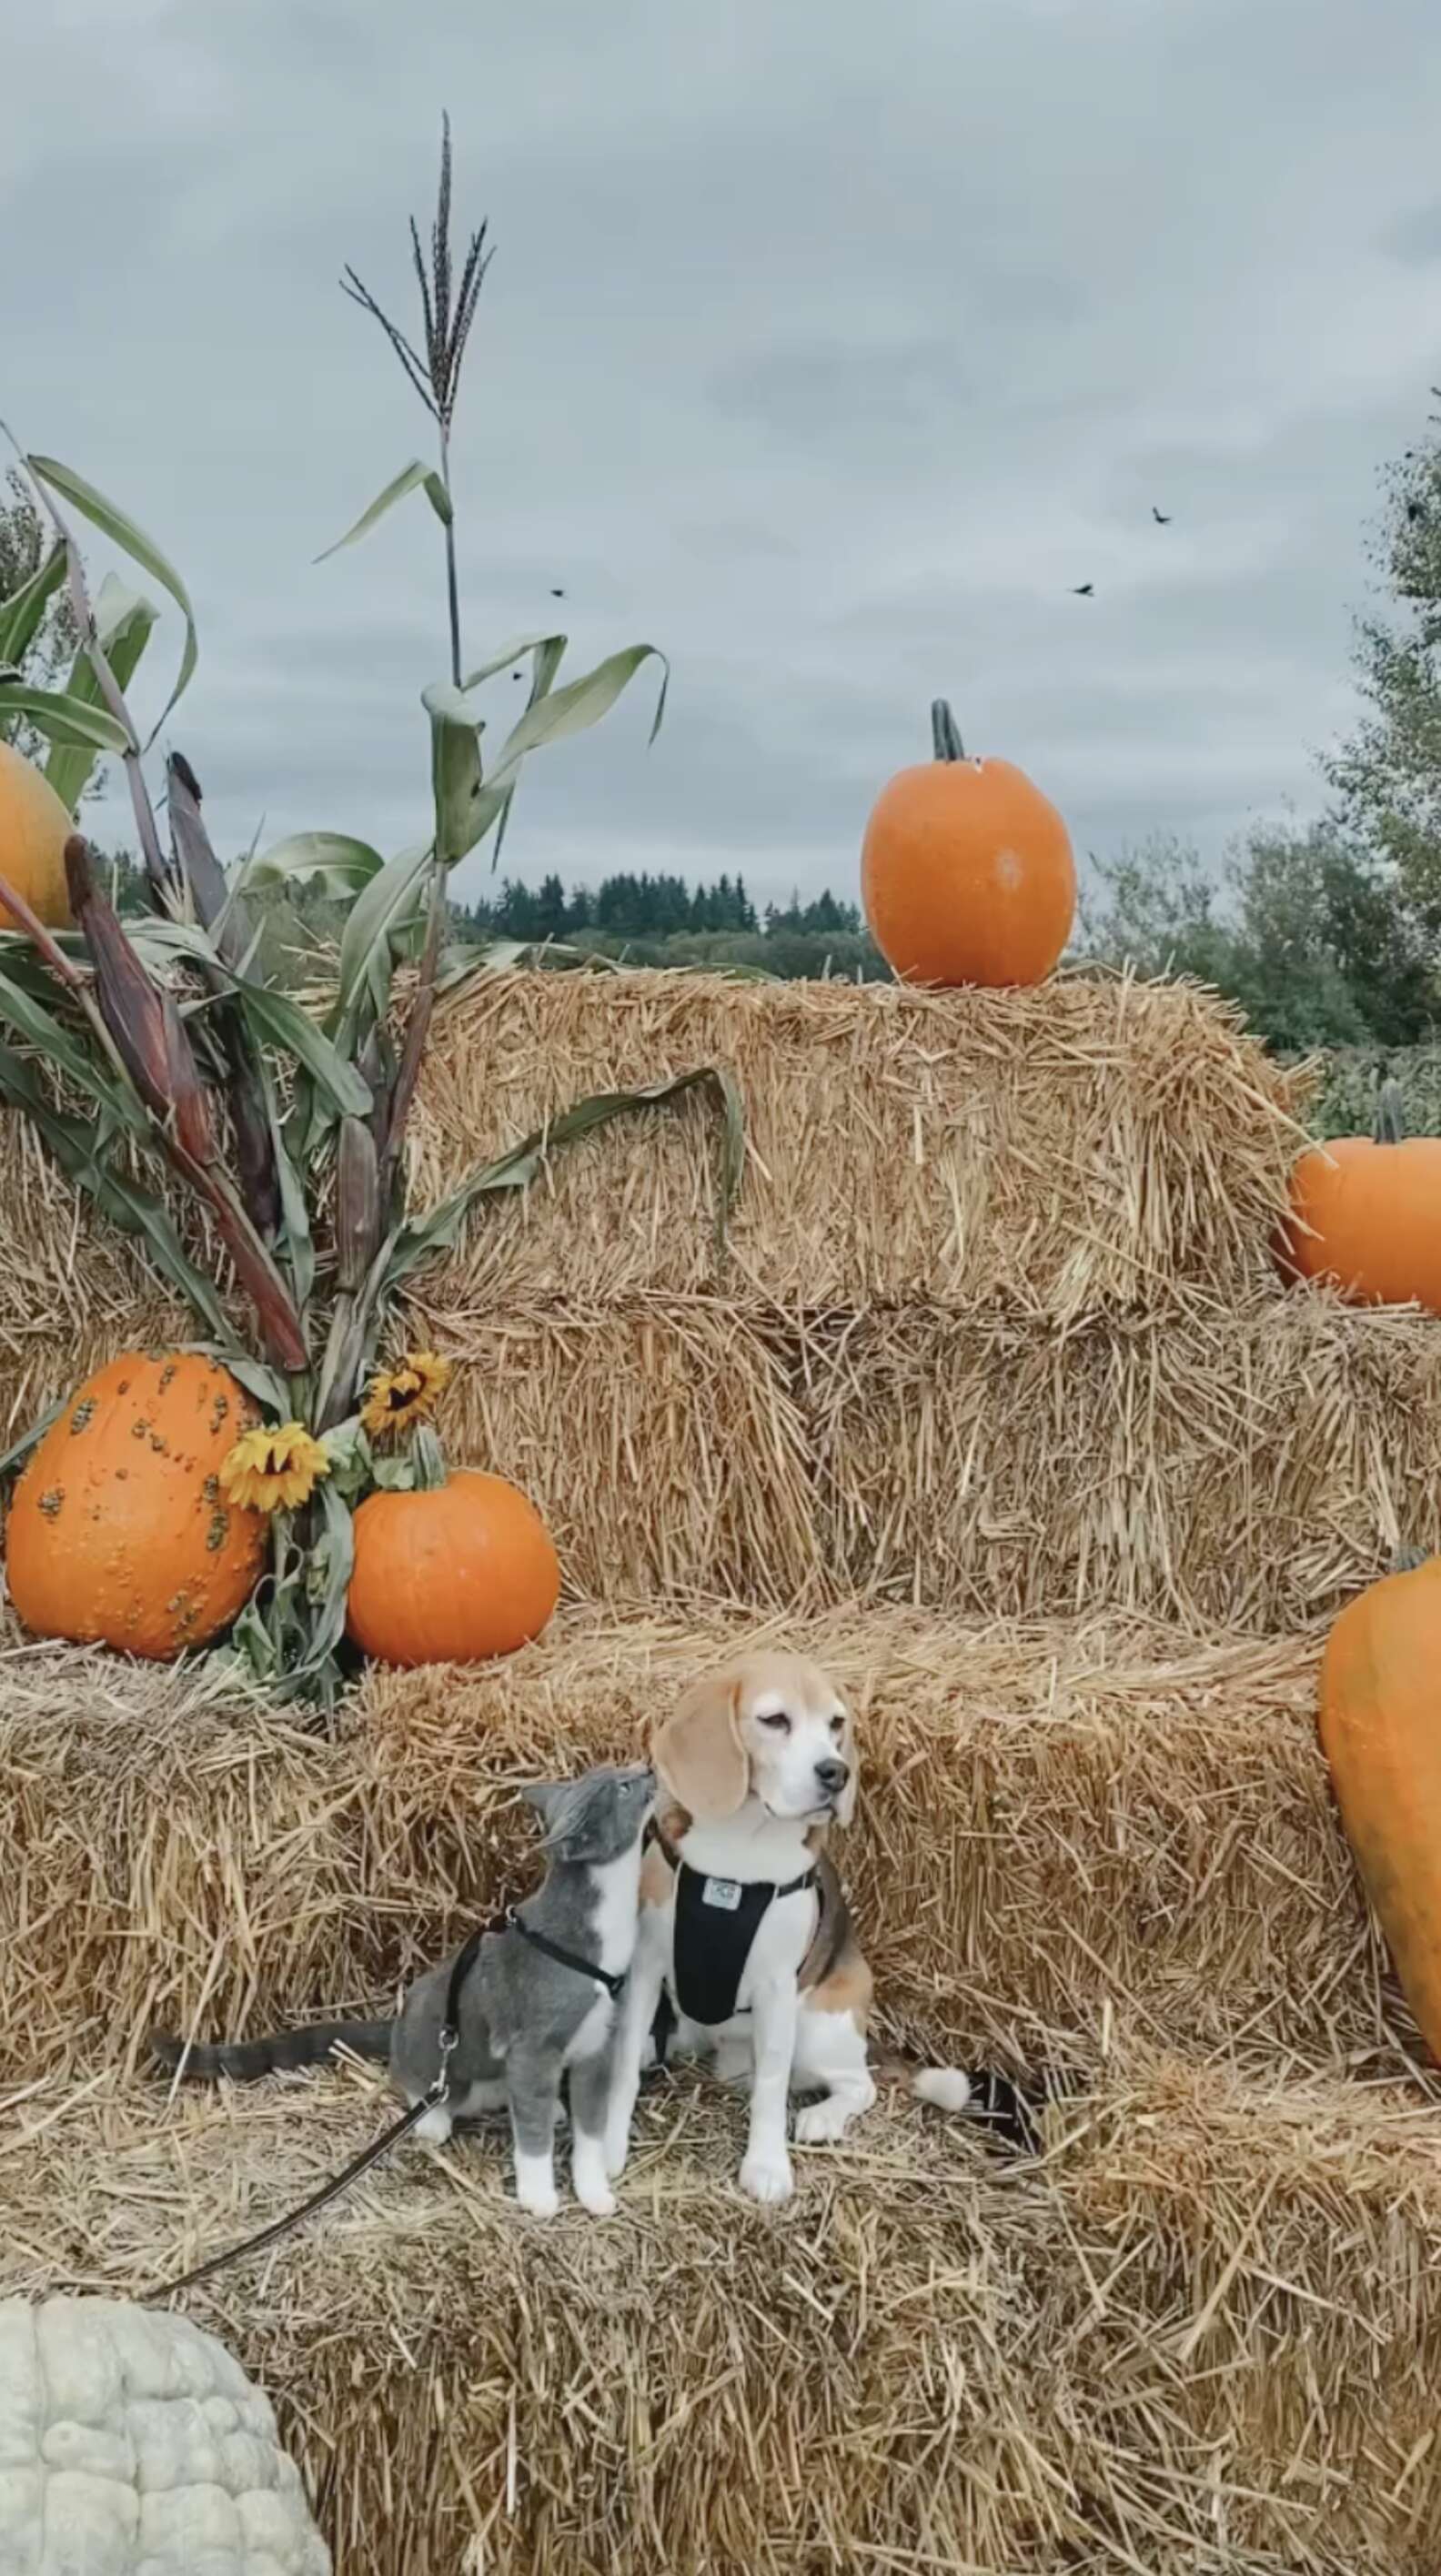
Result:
[[661, 921]]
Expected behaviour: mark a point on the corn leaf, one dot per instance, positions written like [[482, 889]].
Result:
[[411, 478], [341, 865], [296, 1240], [132, 541], [455, 731], [31, 1020], [273, 1016], [440, 1229], [31, 1439], [572, 709], [22, 613], [123, 621], [62, 718], [77, 1147], [376, 914]]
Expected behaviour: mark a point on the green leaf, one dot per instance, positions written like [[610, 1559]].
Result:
[[395, 1475], [351, 1458], [32, 1438], [141, 549], [37, 1025], [584, 702], [266, 1384], [440, 500], [123, 621], [62, 718], [378, 911], [339, 1565], [22, 613], [441, 1228], [296, 1239], [273, 1017], [411, 478], [77, 1146], [341, 864], [549, 647], [455, 731]]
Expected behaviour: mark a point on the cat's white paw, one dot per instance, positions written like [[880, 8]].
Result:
[[535, 2186], [596, 2196], [588, 2178], [617, 2150], [767, 2176], [539, 2200], [436, 2126]]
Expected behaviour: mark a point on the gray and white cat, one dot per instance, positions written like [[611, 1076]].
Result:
[[525, 2019]]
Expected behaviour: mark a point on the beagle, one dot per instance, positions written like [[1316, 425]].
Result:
[[743, 1927]]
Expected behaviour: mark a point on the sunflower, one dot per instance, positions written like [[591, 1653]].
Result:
[[274, 1469], [406, 1395]]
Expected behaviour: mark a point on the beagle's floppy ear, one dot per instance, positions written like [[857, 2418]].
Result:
[[846, 1802], [699, 1752]]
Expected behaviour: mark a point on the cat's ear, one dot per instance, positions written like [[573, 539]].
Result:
[[542, 1795], [700, 1753], [561, 1806]]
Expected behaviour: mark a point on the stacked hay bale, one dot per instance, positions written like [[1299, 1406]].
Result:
[[999, 1324], [999, 1409]]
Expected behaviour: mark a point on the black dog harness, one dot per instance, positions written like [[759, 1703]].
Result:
[[716, 1922]]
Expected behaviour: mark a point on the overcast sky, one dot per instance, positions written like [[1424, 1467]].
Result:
[[827, 344]]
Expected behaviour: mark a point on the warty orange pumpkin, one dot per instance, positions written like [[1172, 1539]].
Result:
[[966, 870], [451, 1573], [1366, 1214], [1381, 1733], [34, 828], [119, 1534]]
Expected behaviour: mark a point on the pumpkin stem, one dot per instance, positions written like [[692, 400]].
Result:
[[1389, 1125], [944, 733], [428, 1459]]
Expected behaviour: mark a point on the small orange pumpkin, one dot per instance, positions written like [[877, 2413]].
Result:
[[1366, 1214], [1382, 1738], [451, 1573], [119, 1534], [966, 870]]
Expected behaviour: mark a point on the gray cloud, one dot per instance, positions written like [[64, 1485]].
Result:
[[826, 347]]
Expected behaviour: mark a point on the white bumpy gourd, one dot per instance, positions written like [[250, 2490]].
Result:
[[132, 2444]]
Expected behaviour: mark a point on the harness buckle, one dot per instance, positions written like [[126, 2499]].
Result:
[[449, 2043]]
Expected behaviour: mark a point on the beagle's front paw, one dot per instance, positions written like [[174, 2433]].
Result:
[[766, 2174]]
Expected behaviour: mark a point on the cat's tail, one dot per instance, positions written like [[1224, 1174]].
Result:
[[1007, 2110], [245, 2059]]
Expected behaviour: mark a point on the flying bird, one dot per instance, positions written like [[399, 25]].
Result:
[[1161, 517], [1084, 590], [557, 594]]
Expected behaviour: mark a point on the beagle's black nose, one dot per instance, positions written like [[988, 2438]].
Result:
[[833, 1776]]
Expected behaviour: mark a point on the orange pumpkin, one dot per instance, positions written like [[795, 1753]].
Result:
[[34, 828], [451, 1575], [119, 1534], [966, 870], [1366, 1213], [1381, 1731]]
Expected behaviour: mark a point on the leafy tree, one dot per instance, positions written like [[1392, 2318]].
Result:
[[1388, 776], [24, 544], [1308, 932]]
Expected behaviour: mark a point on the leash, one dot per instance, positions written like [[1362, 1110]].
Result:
[[449, 2042]]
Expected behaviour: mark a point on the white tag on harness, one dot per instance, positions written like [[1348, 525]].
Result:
[[724, 1892]]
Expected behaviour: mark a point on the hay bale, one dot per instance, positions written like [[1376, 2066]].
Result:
[[1084, 1145], [1202, 2336], [661, 1440], [1073, 1840], [1250, 1469], [1245, 1470]]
